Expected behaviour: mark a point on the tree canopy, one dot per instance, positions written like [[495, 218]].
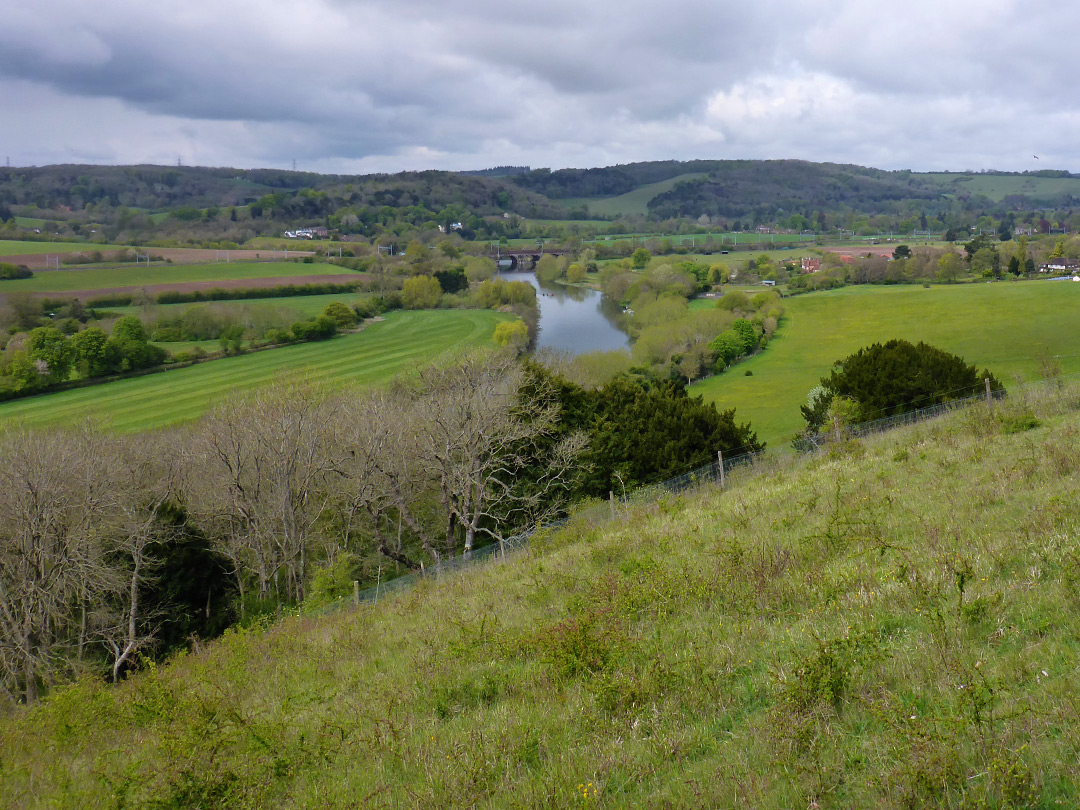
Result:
[[895, 377]]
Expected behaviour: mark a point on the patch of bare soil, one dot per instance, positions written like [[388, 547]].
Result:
[[36, 261]]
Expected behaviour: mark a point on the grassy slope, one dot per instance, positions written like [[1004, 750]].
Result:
[[998, 187], [633, 202], [1002, 327], [105, 277], [401, 342], [892, 630]]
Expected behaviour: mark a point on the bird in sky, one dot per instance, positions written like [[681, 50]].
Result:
[[1035, 156]]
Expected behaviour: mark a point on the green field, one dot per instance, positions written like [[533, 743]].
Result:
[[306, 305], [1004, 327], [403, 341], [997, 187], [177, 346], [633, 202], [132, 276], [29, 222], [9, 247]]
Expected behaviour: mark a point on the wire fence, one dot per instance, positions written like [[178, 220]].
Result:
[[809, 443], [716, 472]]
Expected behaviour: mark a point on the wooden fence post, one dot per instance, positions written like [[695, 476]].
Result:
[[611, 502], [989, 399], [720, 462], [356, 592]]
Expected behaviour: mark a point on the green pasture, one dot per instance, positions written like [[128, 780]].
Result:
[[306, 305], [403, 341], [96, 278], [1006, 327], [11, 247], [997, 187], [177, 346], [633, 202]]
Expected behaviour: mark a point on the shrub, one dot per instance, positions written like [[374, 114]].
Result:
[[421, 292], [896, 377], [10, 271], [340, 313]]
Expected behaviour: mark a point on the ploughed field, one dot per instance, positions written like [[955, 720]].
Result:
[[1011, 328], [403, 341], [99, 280], [42, 255]]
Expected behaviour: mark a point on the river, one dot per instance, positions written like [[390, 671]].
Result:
[[574, 319]]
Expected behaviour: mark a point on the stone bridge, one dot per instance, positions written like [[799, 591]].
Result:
[[524, 259]]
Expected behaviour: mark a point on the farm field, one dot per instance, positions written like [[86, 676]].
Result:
[[9, 247], [633, 202], [134, 276], [306, 305], [1005, 327], [997, 187], [403, 341]]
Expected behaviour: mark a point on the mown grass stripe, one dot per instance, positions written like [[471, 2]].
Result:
[[401, 342]]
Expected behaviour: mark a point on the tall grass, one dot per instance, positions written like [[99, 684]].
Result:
[[889, 623]]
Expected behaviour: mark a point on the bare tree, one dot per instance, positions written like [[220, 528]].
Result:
[[54, 490], [383, 476], [145, 475], [482, 441], [258, 481]]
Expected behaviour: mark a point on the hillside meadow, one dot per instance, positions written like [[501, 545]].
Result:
[[400, 342], [998, 186], [632, 203], [93, 278], [1010, 328], [888, 624]]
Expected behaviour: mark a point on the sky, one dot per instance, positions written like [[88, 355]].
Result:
[[362, 86]]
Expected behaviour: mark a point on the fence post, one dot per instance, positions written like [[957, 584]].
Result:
[[356, 592], [989, 399], [720, 462], [611, 502]]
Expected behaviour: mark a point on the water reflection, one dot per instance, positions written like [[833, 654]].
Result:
[[574, 319]]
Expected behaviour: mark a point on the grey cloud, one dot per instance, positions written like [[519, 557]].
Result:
[[391, 84]]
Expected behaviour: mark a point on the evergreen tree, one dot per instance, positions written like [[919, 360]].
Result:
[[895, 377]]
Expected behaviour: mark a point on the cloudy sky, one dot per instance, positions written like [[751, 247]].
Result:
[[357, 86]]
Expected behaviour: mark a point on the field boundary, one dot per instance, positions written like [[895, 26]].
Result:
[[715, 472]]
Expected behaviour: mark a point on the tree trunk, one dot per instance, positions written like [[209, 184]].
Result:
[[31, 681]]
